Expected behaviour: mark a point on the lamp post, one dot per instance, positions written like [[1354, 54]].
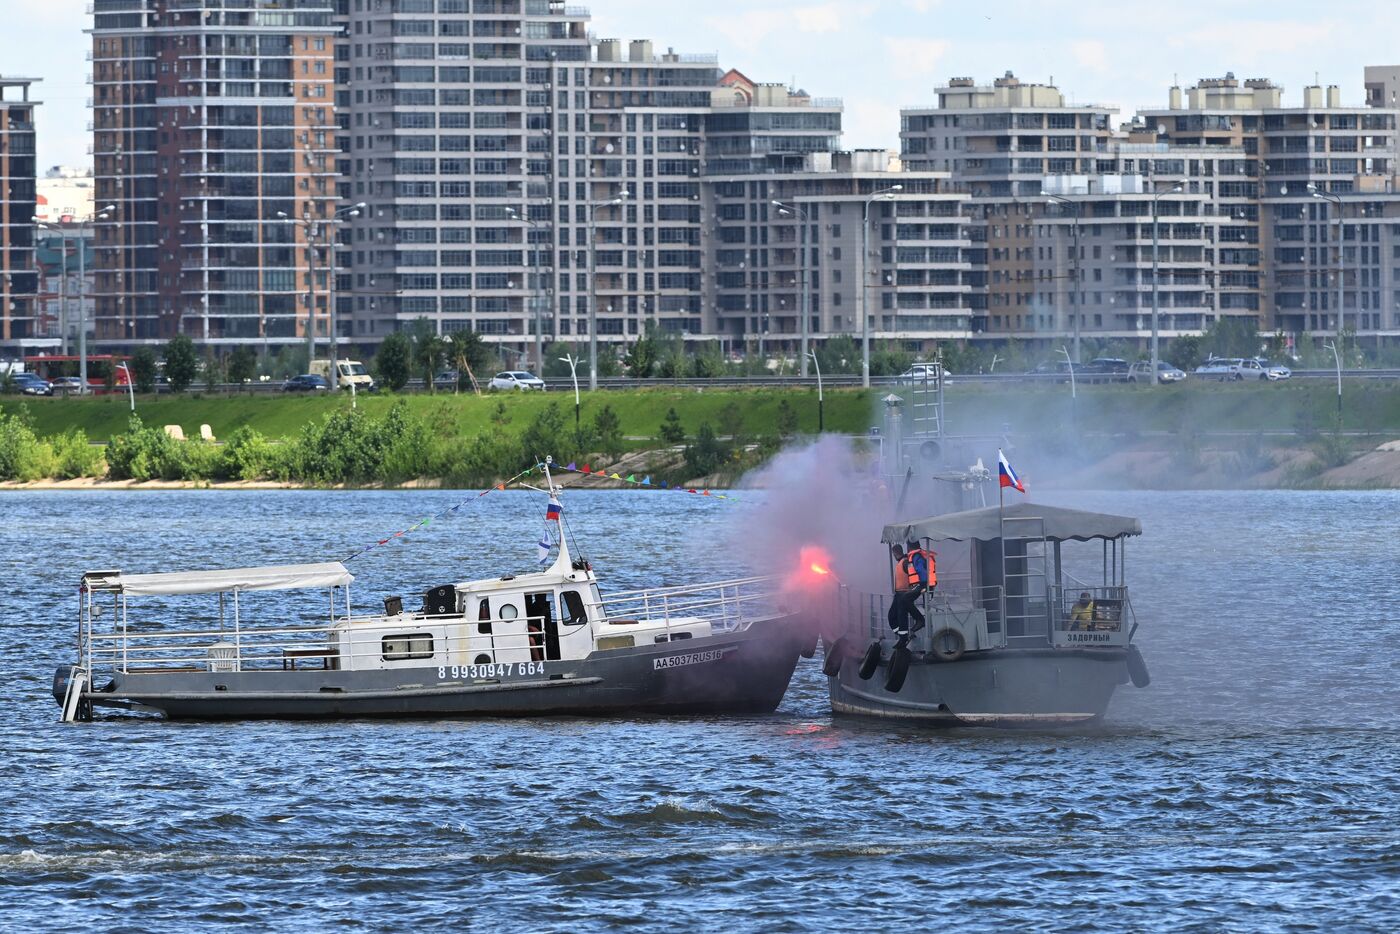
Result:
[[313, 229], [1073, 394], [1341, 255], [821, 401], [538, 298], [573, 363], [884, 194], [130, 386], [593, 284], [62, 282], [806, 306], [1175, 189], [1337, 358], [1077, 309]]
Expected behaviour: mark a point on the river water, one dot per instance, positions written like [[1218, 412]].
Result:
[[1254, 786]]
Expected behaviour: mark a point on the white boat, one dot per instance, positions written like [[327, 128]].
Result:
[[545, 643]]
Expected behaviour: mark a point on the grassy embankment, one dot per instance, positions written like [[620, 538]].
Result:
[[1372, 406], [467, 439]]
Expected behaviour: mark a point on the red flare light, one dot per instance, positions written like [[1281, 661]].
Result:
[[814, 565]]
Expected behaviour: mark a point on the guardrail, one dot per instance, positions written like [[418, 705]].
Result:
[[834, 381]]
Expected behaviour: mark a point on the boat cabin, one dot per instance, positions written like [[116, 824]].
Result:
[[1021, 576]]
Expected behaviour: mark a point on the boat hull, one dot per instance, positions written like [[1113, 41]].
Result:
[[1001, 688], [741, 672]]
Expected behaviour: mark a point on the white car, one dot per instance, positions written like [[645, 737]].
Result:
[[517, 379], [1166, 373], [1231, 368], [1275, 371], [922, 373]]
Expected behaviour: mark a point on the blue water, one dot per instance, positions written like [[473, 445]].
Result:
[[1253, 787]]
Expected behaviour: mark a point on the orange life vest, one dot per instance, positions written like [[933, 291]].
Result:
[[907, 576]]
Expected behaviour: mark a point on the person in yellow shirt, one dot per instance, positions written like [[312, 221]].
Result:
[[1081, 615]]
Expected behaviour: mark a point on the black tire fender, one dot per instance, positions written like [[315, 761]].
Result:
[[835, 657], [899, 669], [869, 662], [948, 645], [1137, 668]]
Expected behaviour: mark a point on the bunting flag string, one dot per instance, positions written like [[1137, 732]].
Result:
[[631, 479], [451, 510]]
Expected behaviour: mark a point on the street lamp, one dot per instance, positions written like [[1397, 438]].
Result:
[[81, 227], [1073, 395], [1337, 358], [593, 283], [535, 225], [884, 194], [806, 310], [573, 363], [313, 229], [821, 401], [130, 385], [1077, 309], [1341, 254], [1175, 189]]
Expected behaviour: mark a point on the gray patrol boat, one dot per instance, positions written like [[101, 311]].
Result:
[[547, 643], [1013, 637]]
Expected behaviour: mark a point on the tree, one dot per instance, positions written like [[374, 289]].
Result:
[[641, 357], [787, 420], [731, 423], [608, 430], [707, 454], [430, 351], [672, 431], [181, 362], [393, 363], [1233, 336], [213, 369], [242, 364], [839, 355], [468, 352], [143, 369]]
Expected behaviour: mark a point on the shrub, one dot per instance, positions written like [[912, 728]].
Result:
[[786, 420], [707, 454], [143, 369], [75, 457], [22, 455], [608, 431], [393, 362], [150, 454], [246, 455]]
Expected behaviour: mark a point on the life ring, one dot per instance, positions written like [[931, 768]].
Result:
[[1137, 668], [835, 657], [948, 645], [899, 669]]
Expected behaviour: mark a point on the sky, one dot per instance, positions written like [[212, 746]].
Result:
[[879, 55]]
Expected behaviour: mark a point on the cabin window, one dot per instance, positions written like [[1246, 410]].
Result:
[[483, 613], [401, 648], [574, 612]]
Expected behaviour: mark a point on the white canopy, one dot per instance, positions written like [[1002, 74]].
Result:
[[283, 577]]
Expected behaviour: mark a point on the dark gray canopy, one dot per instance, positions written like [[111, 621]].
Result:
[[985, 525]]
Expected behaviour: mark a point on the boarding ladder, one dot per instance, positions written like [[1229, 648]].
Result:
[[1025, 572], [926, 406], [74, 709]]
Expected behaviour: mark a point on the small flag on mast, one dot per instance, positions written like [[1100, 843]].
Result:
[[553, 511], [545, 546], [1007, 475]]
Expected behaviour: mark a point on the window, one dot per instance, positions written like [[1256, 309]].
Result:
[[402, 648], [574, 612]]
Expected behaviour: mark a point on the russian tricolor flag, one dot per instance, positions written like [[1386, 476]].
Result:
[[1008, 476], [554, 511]]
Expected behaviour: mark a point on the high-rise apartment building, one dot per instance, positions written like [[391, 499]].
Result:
[[18, 276], [214, 145], [1307, 168]]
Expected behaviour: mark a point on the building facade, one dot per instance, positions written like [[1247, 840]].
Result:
[[213, 144], [18, 279]]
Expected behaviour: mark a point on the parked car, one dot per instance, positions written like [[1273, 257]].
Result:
[[447, 379], [517, 379], [1104, 370], [1058, 370], [30, 385], [68, 384], [1231, 369], [922, 373], [307, 382], [1141, 372]]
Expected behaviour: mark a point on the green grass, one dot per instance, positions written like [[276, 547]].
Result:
[[972, 408]]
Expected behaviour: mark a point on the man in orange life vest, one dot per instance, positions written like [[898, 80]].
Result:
[[915, 571]]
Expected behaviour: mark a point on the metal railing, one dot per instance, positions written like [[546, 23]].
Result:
[[866, 615], [725, 606], [1106, 618]]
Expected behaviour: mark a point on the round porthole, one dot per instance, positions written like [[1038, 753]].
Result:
[[508, 611]]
